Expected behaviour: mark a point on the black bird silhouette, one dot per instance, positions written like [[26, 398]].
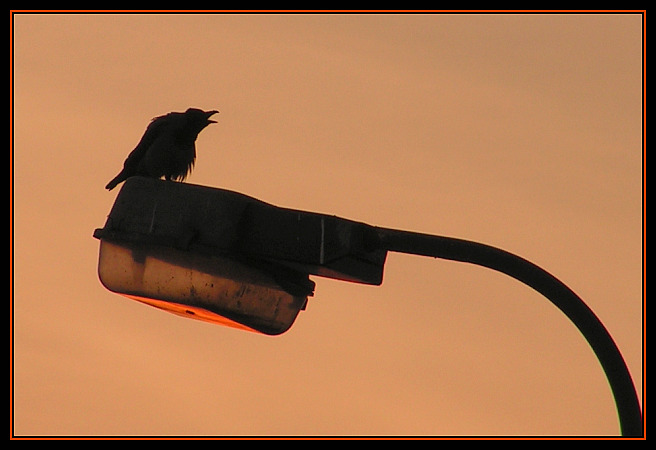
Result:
[[167, 148]]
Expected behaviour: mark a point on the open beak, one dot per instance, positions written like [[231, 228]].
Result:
[[210, 114]]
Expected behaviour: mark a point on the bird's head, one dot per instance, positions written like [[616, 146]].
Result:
[[199, 119]]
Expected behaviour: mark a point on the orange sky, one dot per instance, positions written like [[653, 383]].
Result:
[[519, 131]]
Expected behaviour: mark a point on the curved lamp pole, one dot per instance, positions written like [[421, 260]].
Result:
[[227, 258], [558, 293]]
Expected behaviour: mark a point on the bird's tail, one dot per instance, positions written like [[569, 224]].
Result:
[[118, 179]]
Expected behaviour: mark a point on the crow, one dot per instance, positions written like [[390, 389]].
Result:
[[167, 148]]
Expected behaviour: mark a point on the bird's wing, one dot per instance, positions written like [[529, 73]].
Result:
[[152, 131]]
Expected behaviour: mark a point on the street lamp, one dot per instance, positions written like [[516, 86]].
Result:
[[224, 257]]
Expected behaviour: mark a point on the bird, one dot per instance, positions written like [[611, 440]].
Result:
[[167, 148]]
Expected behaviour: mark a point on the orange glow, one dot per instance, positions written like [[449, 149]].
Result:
[[190, 312]]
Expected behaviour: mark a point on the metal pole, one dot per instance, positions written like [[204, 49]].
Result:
[[564, 298]]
